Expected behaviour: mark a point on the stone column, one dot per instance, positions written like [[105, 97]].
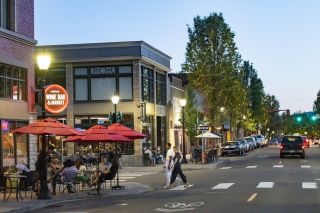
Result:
[[33, 144]]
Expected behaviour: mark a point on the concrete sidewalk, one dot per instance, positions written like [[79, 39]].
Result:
[[131, 188]]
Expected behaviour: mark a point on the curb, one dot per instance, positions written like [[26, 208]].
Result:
[[42, 203]]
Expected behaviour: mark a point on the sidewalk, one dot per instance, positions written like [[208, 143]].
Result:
[[131, 188]]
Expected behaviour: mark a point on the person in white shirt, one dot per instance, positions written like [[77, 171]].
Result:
[[168, 164]]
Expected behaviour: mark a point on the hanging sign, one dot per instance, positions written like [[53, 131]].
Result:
[[56, 98]]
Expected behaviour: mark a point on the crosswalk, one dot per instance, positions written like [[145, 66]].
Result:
[[260, 185], [130, 176], [273, 166]]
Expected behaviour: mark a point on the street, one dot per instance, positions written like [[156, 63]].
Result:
[[258, 182]]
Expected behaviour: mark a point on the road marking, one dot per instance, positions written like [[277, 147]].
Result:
[[226, 167], [309, 185], [180, 187], [121, 177], [317, 179], [121, 204], [277, 166], [305, 166], [130, 175], [251, 167], [253, 196], [265, 185], [222, 186]]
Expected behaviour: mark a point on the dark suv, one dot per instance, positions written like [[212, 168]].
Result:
[[292, 145]]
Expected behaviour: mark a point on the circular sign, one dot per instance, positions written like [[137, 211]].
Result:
[[56, 98]]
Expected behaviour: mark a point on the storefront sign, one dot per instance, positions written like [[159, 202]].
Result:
[[4, 125], [56, 98]]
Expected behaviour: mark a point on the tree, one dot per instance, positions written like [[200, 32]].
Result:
[[316, 104], [191, 115], [212, 63]]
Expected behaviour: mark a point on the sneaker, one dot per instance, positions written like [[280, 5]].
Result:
[[187, 185], [166, 186]]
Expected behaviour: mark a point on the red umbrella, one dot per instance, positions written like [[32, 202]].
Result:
[[48, 126], [125, 131], [99, 133]]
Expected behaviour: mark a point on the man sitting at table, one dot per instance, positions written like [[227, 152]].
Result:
[[108, 172]]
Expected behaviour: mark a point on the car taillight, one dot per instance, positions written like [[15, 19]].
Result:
[[281, 146]]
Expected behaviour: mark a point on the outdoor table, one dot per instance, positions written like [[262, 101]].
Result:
[[18, 178]]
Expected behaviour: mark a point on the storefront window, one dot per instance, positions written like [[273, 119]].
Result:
[[14, 147], [147, 86], [161, 91]]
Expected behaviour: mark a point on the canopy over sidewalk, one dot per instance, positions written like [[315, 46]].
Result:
[[208, 135]]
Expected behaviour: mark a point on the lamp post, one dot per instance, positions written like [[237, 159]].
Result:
[[115, 100], [43, 62], [222, 126], [183, 103]]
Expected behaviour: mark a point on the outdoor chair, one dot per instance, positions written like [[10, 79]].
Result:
[[5, 187], [147, 161], [69, 183], [28, 183]]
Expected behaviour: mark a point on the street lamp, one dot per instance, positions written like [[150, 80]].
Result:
[[43, 62], [183, 103], [115, 100]]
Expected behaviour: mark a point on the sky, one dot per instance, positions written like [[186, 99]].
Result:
[[279, 37]]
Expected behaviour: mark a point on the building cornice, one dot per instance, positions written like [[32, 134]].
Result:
[[164, 68], [16, 37]]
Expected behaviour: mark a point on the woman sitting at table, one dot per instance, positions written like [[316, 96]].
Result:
[[108, 172]]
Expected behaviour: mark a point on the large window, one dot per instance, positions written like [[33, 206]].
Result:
[[14, 147], [7, 14], [147, 86], [161, 90], [102, 82], [12, 82]]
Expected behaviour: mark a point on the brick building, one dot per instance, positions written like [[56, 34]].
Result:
[[16, 78]]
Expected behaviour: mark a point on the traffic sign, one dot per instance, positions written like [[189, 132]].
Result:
[[203, 128]]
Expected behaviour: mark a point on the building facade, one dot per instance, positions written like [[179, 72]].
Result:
[[93, 73], [16, 79]]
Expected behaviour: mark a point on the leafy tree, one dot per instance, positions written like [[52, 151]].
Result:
[[191, 115], [212, 63], [316, 104]]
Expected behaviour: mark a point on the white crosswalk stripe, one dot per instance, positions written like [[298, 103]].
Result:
[[265, 185], [309, 185], [226, 167], [180, 188], [127, 176], [305, 166], [251, 167], [222, 186], [278, 166]]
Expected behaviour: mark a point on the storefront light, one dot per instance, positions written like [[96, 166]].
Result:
[[43, 61]]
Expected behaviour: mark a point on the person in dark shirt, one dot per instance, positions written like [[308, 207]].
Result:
[[177, 168]]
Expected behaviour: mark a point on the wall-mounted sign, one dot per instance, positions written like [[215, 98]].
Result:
[[56, 98], [4, 125]]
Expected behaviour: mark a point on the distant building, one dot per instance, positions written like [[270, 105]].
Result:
[[16, 79]]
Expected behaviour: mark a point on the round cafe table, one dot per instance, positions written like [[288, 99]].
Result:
[[15, 178]]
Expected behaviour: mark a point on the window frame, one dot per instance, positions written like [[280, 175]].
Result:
[[149, 77], [90, 76]]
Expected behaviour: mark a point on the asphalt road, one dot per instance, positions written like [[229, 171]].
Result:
[[257, 182]]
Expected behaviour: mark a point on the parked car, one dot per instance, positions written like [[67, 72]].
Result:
[[292, 145], [232, 147], [252, 142], [259, 140], [316, 141], [245, 144]]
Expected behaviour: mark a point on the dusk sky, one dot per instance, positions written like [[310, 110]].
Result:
[[280, 37]]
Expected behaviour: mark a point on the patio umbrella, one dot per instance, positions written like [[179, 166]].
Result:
[[48, 126], [100, 133], [125, 131]]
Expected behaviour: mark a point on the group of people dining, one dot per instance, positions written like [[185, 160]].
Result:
[[71, 171], [154, 155]]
